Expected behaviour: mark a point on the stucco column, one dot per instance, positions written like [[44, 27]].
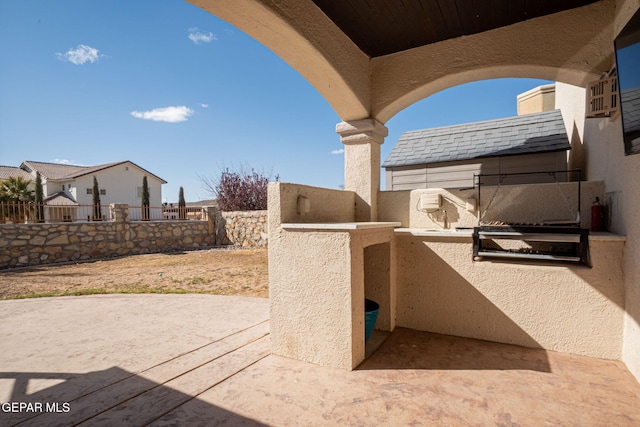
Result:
[[362, 140]]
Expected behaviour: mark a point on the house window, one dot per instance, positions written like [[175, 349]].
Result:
[[103, 192], [62, 187], [89, 191]]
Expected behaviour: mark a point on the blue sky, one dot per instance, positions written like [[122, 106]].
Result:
[[182, 94]]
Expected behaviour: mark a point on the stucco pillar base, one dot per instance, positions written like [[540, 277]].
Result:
[[362, 140]]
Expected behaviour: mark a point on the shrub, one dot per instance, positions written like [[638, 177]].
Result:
[[239, 190]]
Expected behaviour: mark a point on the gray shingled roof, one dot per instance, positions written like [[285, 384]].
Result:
[[531, 133], [7, 171]]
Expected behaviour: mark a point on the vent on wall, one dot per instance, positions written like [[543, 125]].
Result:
[[602, 98]]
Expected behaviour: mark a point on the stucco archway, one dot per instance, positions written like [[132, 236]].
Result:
[[573, 46]]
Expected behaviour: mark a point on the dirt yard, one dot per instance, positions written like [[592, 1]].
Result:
[[221, 272]]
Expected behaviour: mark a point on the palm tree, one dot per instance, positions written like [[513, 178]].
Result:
[[15, 190]]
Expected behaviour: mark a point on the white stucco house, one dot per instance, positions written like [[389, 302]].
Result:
[[71, 186]]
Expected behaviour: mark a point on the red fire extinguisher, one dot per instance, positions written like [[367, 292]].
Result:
[[597, 216]]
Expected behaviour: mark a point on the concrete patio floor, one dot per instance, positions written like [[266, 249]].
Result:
[[204, 360]]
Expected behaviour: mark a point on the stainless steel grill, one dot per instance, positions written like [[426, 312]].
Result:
[[542, 243], [547, 241]]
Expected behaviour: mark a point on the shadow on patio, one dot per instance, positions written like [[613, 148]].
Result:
[[132, 400]]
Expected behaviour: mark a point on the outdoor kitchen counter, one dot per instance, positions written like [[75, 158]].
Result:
[[421, 232], [468, 233], [607, 237], [318, 285], [339, 226]]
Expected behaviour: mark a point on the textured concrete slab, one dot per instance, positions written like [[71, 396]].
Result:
[[419, 378], [95, 352], [204, 360]]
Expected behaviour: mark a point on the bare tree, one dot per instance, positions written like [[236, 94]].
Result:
[[239, 190]]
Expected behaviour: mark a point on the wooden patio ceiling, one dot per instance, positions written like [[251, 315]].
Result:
[[384, 27]]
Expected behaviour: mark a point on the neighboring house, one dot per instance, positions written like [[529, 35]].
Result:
[[450, 156], [68, 186]]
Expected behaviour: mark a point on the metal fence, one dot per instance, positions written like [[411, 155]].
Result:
[[21, 213]]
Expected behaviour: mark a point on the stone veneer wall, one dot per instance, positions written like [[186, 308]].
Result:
[[245, 229], [36, 244]]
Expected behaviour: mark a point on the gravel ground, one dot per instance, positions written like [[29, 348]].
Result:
[[221, 272]]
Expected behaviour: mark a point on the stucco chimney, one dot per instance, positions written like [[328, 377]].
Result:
[[537, 100]]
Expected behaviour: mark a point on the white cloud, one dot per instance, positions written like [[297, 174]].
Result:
[[198, 37], [167, 114], [80, 55], [340, 151], [67, 162], [204, 105]]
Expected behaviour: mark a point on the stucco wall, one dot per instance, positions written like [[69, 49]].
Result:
[[394, 206], [601, 149], [317, 285], [515, 203], [311, 296], [301, 326], [537, 100], [325, 205], [317, 277], [606, 160], [572, 309], [570, 100]]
